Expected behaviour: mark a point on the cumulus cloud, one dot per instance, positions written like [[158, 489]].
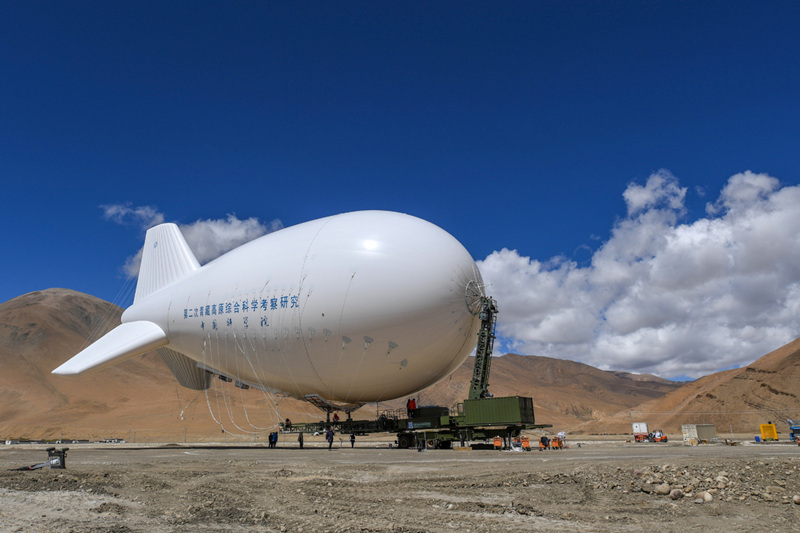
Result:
[[208, 239], [663, 295], [661, 189], [142, 216]]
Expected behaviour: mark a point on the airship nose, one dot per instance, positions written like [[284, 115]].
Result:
[[411, 295]]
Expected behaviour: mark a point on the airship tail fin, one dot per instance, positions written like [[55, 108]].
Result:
[[121, 343], [166, 258]]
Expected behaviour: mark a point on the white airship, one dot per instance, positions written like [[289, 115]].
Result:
[[353, 308]]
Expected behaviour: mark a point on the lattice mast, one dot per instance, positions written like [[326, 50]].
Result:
[[479, 387]]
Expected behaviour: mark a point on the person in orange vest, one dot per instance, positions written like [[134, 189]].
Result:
[[498, 442], [411, 407]]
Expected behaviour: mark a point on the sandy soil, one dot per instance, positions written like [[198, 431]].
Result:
[[599, 486]]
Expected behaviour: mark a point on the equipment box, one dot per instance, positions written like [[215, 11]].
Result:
[[511, 410]]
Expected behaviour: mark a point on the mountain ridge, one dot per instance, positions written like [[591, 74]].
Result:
[[41, 330]]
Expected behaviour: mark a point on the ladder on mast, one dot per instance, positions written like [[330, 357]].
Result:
[[479, 386]]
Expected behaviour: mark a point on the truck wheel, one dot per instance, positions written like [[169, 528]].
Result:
[[404, 441]]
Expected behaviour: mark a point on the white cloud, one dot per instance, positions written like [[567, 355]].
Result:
[[208, 239], [661, 189], [662, 296], [743, 190], [143, 216]]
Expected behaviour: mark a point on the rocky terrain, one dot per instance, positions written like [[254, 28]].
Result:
[[600, 486]]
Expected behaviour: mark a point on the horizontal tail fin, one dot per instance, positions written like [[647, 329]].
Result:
[[121, 343], [166, 258]]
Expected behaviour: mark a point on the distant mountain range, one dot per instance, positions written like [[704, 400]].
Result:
[[140, 399]]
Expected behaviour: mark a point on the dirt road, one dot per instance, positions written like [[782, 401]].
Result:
[[601, 486]]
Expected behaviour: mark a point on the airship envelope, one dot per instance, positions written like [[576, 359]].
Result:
[[353, 308]]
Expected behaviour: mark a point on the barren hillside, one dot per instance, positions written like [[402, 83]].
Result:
[[735, 400], [136, 399], [140, 399]]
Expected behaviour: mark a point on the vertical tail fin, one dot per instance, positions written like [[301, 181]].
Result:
[[166, 258]]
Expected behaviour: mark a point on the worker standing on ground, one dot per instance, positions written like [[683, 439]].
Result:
[[329, 438], [352, 440], [300, 439]]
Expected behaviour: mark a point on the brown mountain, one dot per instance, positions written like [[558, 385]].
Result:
[[736, 401], [136, 399], [140, 398]]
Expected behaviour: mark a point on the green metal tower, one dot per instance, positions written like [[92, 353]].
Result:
[[479, 387]]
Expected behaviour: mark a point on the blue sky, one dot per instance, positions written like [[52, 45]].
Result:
[[579, 150]]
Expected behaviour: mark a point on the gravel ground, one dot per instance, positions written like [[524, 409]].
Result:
[[599, 486]]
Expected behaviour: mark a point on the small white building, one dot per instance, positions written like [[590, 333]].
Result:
[[701, 432]]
